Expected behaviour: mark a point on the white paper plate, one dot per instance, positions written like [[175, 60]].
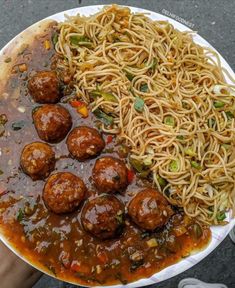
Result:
[[218, 233]]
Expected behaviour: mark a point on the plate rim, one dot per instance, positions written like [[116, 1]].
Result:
[[217, 239]]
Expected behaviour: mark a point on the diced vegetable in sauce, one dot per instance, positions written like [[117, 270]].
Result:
[[16, 126]]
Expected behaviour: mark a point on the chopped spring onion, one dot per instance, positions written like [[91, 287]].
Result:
[[174, 166], [139, 167], [162, 182], [54, 38], [229, 115], [136, 164], [154, 64], [211, 123], [106, 96], [144, 87], [129, 76], [169, 120], [196, 165], [105, 118], [220, 216], [152, 243], [190, 152], [180, 137], [148, 160], [218, 104], [139, 104], [80, 41]]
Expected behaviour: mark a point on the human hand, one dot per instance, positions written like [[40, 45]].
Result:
[[14, 272]]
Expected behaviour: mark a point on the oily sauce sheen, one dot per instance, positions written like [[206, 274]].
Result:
[[58, 243]]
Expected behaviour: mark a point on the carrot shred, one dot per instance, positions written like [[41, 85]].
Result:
[[102, 256], [77, 267], [109, 139], [76, 103], [130, 175]]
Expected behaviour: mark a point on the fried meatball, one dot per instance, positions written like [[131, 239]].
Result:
[[109, 175], [149, 209], [44, 87], [37, 160], [52, 122], [103, 216], [63, 192], [84, 142]]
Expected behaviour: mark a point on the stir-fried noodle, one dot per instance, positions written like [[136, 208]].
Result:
[[165, 97]]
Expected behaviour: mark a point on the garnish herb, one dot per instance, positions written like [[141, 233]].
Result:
[[80, 41]]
